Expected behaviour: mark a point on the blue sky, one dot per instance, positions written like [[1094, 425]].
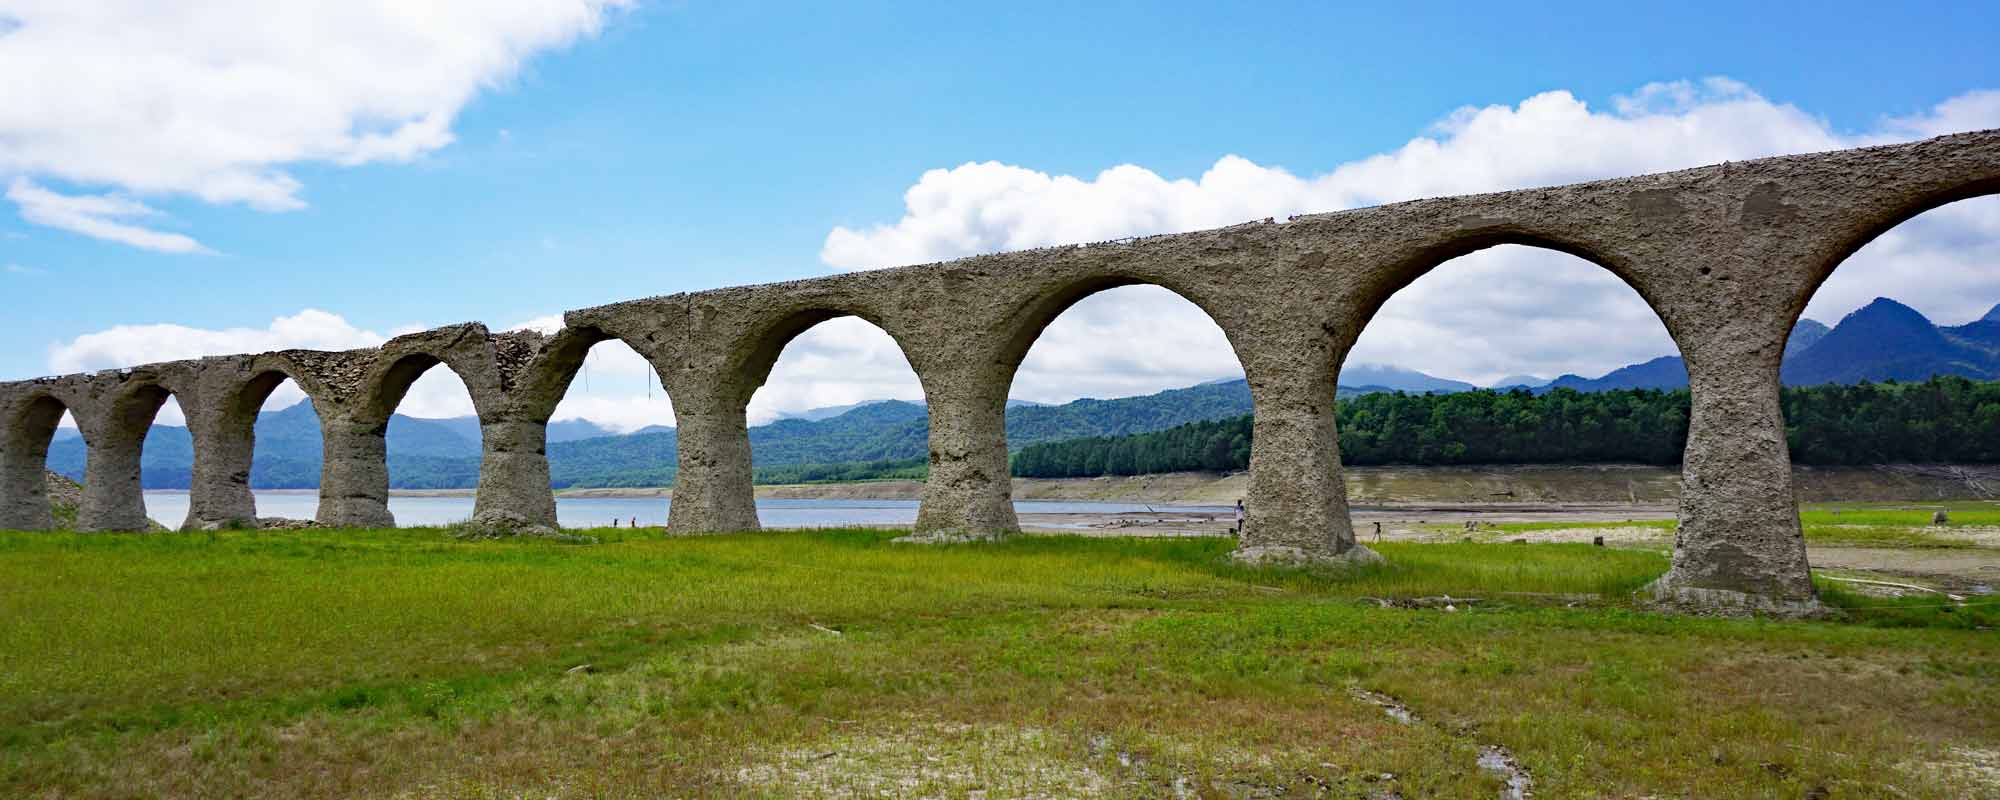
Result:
[[688, 146]]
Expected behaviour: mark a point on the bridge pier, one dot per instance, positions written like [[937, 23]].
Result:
[[1739, 543], [354, 474], [219, 495], [712, 490], [1296, 511], [29, 422], [514, 488], [112, 497], [969, 491]]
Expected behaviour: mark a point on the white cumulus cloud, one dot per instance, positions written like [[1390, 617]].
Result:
[[1490, 314], [218, 99]]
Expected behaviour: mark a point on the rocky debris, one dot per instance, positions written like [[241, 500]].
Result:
[[1493, 759], [1389, 705], [950, 537], [481, 531], [1442, 602], [285, 523], [65, 497], [1496, 761]]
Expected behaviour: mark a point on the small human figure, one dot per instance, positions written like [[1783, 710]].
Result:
[[1378, 531], [1238, 530], [635, 522], [614, 522]]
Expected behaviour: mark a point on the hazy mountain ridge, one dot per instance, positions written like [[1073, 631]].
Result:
[[1882, 341]]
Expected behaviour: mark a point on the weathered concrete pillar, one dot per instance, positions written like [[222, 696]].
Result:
[[112, 497], [24, 456], [219, 496], [712, 491], [354, 476], [514, 488], [1739, 543], [24, 500], [1296, 511], [969, 491]]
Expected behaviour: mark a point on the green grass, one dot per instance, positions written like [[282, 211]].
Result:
[[402, 663], [1525, 527], [1960, 514], [1870, 527]]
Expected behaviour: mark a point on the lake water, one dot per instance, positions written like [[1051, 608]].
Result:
[[170, 509]]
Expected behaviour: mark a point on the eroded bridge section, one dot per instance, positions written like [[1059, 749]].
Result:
[[1727, 256]]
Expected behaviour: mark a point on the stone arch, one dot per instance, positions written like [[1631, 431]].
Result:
[[1877, 220], [550, 373], [762, 340], [967, 380], [1645, 332], [226, 441], [114, 497], [389, 381], [1377, 286], [30, 422], [1031, 317], [552, 376]]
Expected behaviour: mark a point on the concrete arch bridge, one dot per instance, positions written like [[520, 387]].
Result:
[[1726, 255]]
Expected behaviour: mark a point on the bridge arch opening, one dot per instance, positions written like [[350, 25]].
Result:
[[1512, 354], [431, 437], [1102, 370], [1896, 351], [152, 448], [610, 425], [833, 397], [279, 424]]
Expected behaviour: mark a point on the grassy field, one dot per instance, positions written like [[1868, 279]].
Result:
[[1858, 524], [406, 664]]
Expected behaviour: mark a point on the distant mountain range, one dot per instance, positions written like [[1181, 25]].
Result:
[[444, 453], [1882, 341]]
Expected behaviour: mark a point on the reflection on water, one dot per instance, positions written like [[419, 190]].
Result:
[[170, 508]]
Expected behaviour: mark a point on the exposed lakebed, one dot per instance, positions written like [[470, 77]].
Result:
[[170, 508]]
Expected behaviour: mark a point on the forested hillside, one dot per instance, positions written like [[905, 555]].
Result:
[[1941, 420]]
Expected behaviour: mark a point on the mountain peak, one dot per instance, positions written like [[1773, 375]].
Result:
[[1883, 306], [1992, 315]]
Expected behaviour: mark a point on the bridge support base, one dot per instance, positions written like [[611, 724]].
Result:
[[969, 495], [514, 492], [354, 477], [712, 491]]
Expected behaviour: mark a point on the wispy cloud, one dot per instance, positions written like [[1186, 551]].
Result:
[[100, 216]]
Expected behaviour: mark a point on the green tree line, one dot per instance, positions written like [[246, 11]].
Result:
[[1944, 419]]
